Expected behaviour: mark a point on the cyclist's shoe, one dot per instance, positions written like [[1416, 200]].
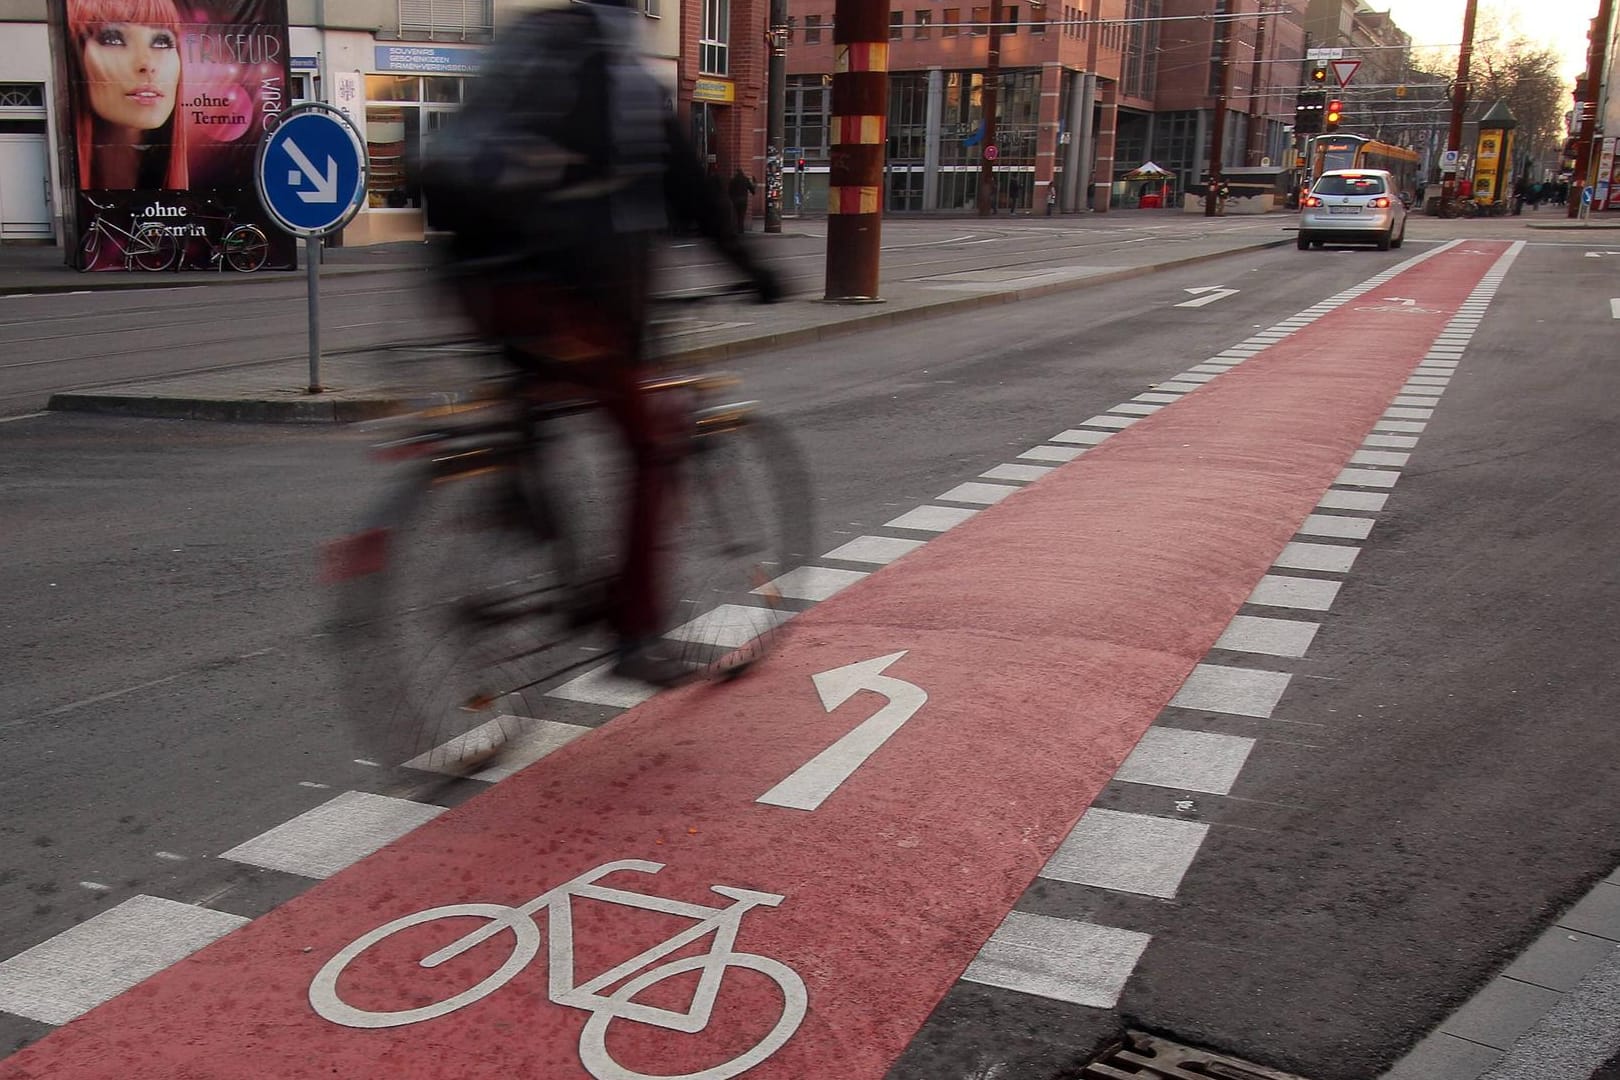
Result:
[[649, 662]]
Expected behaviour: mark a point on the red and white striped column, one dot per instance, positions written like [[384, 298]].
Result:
[[860, 106]]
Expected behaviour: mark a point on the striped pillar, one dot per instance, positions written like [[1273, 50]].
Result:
[[860, 106]]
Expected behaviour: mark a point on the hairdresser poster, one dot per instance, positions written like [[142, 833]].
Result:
[[168, 101]]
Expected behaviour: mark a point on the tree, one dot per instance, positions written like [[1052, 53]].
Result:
[[1508, 66]]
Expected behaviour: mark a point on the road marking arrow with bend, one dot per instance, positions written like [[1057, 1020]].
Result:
[[809, 785], [326, 187], [1211, 293]]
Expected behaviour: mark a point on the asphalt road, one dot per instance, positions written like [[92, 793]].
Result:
[[76, 341], [1439, 780]]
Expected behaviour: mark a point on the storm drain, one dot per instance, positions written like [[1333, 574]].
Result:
[[1148, 1057]]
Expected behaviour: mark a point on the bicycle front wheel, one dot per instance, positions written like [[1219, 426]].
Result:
[[748, 524], [153, 248], [451, 604], [246, 248]]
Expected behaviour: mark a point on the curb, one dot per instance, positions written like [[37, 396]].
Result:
[[256, 410], [244, 410]]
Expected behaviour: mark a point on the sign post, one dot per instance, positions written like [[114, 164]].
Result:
[[312, 178]]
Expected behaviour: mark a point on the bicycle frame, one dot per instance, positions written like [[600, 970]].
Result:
[[723, 922]]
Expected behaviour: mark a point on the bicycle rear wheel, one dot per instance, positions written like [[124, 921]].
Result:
[[748, 523], [246, 248], [153, 248], [452, 602]]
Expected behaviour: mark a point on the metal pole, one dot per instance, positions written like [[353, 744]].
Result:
[[860, 113], [992, 88], [1217, 131], [1086, 130], [774, 122], [1459, 102], [1586, 111], [312, 257]]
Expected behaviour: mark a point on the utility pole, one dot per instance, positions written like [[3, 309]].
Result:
[[988, 97], [1586, 111], [1217, 130], [860, 114], [1084, 127], [776, 79], [1459, 102], [1257, 101]]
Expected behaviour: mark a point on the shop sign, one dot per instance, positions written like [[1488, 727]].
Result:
[[722, 91], [427, 59]]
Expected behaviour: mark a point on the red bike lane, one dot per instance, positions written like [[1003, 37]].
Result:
[[976, 696]]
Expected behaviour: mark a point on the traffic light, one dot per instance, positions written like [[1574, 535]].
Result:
[[1308, 109], [1333, 115], [1318, 77], [801, 164]]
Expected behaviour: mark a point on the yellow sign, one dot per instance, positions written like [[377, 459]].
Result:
[[723, 91]]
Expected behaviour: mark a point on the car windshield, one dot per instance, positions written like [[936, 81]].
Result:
[[1350, 185]]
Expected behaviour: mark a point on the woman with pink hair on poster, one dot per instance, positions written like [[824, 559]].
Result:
[[125, 78]]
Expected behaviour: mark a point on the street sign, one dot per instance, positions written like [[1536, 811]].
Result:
[[311, 177], [991, 153], [1449, 159], [312, 171], [1323, 54], [1344, 69]]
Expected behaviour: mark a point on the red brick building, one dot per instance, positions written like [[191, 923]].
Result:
[[1156, 62], [721, 92]]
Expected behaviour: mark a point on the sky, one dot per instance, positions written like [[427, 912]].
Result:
[[1561, 24]]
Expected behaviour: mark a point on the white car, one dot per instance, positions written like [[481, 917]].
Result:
[[1354, 206]]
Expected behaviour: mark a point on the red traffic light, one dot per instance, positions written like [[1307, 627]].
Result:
[[801, 164]]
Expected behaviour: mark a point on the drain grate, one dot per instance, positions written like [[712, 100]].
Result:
[[1148, 1057]]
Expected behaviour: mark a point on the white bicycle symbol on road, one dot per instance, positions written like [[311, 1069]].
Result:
[[723, 922]]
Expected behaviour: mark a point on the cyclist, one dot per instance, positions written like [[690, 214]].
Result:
[[561, 167]]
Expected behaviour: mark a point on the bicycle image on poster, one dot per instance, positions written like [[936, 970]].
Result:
[[607, 996]]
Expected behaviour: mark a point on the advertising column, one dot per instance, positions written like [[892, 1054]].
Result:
[[168, 101]]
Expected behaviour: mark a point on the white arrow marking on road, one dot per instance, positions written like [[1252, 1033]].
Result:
[[810, 784], [325, 186], [1211, 293], [1600, 254]]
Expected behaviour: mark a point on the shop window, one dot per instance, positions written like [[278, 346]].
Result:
[[924, 19]]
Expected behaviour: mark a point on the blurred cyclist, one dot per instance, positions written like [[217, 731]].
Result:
[[561, 167]]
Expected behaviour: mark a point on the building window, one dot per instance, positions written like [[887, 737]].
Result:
[[897, 25], [650, 9], [1011, 19], [924, 19], [949, 22], [461, 20], [1037, 21], [812, 29], [22, 95], [804, 119], [713, 46], [979, 18]]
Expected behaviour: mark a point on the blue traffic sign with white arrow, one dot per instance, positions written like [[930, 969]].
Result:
[[312, 171]]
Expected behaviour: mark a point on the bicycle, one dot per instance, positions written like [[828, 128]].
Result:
[[620, 1003], [244, 247], [464, 587], [148, 245]]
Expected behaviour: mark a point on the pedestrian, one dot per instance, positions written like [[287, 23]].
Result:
[[1015, 191], [1223, 191], [741, 187]]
